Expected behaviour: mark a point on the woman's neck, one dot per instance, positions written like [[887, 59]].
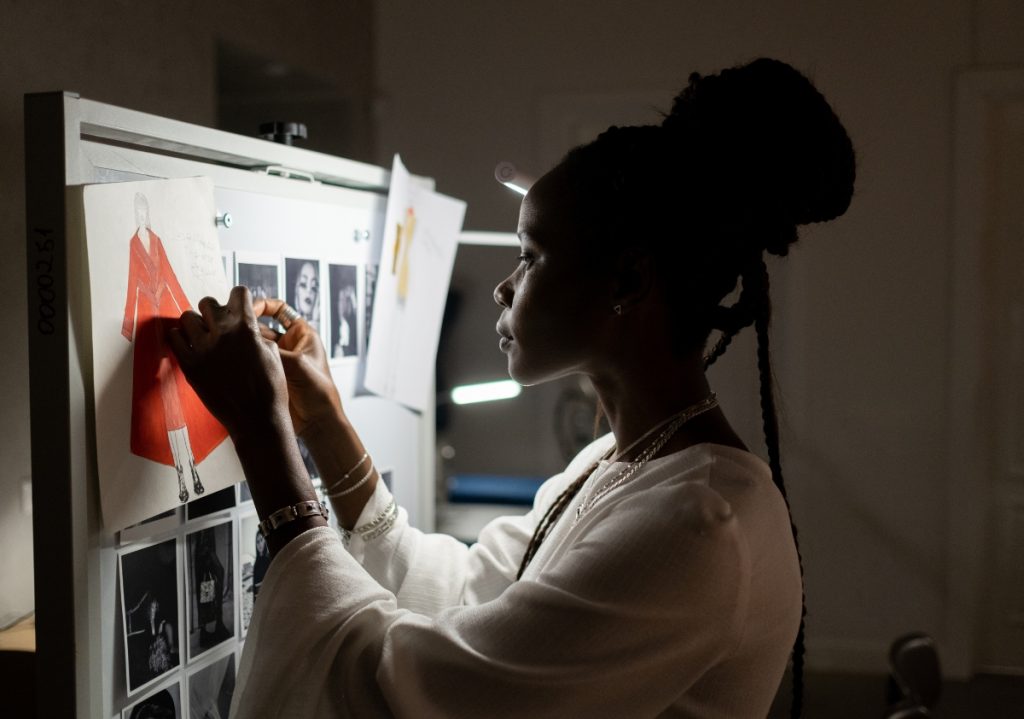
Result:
[[636, 399]]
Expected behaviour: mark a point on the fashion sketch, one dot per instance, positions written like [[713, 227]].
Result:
[[169, 424]]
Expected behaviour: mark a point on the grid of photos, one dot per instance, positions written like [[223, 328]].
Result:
[[211, 595], [150, 616]]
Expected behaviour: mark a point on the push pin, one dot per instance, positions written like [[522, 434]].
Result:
[[225, 220]]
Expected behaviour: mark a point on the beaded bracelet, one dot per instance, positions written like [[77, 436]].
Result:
[[379, 525], [309, 508], [349, 473]]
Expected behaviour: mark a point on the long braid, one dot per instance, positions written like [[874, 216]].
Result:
[[551, 516], [771, 435]]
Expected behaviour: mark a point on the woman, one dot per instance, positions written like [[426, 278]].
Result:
[[658, 575]]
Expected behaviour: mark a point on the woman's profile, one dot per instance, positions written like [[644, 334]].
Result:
[[657, 575]]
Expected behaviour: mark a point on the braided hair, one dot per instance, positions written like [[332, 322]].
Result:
[[743, 159]]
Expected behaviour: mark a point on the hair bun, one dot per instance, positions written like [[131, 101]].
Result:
[[765, 138]]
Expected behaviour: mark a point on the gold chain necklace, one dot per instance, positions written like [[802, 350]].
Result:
[[674, 423]]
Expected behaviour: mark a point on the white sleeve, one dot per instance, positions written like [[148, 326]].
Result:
[[621, 624], [431, 572]]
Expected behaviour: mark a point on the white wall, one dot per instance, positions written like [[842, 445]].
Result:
[[863, 303], [155, 57]]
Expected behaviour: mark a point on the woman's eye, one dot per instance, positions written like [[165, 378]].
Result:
[[526, 259]]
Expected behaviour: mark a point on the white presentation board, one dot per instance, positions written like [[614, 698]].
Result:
[[97, 628]]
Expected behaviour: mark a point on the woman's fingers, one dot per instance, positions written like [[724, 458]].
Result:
[[267, 306]]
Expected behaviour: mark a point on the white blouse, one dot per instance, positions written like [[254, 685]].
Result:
[[677, 594]]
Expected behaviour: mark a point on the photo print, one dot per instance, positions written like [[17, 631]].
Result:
[[344, 311], [244, 495], [260, 274], [254, 560], [212, 503], [302, 287], [210, 689], [149, 603], [211, 602], [371, 288], [162, 704], [385, 476]]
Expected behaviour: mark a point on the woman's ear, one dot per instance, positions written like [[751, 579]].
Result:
[[633, 279]]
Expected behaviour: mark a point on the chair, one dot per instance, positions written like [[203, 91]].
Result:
[[915, 681]]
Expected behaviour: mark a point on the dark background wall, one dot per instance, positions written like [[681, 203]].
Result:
[[862, 334]]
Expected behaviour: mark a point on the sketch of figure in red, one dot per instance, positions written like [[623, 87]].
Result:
[[170, 425]]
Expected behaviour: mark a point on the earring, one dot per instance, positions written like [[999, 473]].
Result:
[[617, 309]]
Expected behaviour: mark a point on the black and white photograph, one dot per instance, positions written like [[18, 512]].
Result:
[[385, 477], [344, 311], [161, 704], [149, 601], [244, 495], [302, 288], [261, 275], [371, 289], [219, 501], [211, 602], [210, 689], [254, 560]]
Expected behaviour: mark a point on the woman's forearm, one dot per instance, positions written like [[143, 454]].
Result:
[[277, 477], [337, 451]]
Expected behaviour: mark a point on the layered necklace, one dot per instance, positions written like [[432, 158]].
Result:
[[668, 427]]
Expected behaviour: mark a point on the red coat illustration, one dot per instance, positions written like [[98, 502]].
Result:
[[162, 399]]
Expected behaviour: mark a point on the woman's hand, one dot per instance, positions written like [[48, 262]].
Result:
[[238, 375], [236, 372], [312, 395]]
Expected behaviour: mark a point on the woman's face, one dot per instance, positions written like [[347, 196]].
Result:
[[307, 287], [556, 303]]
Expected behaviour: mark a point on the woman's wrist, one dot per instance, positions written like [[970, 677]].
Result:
[[344, 464], [276, 475]]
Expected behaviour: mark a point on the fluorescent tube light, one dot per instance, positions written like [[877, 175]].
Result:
[[485, 391]]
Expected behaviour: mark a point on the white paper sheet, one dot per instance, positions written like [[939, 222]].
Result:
[[153, 251], [421, 229]]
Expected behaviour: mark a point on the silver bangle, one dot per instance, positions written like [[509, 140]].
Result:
[[362, 480], [309, 508], [348, 473], [379, 525]]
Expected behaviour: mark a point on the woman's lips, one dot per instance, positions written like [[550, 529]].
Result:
[[506, 339]]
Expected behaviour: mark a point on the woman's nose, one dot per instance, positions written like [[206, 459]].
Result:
[[503, 293]]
